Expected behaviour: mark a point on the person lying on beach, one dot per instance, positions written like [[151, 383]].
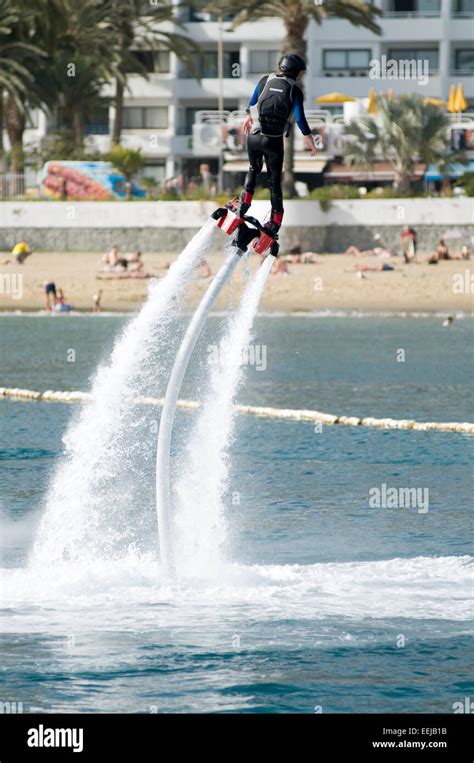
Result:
[[375, 268], [123, 275], [111, 259], [204, 271], [20, 252], [298, 257], [377, 251], [305, 258], [281, 268], [134, 261]]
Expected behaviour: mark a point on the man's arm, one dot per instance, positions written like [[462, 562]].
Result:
[[247, 126], [258, 90], [298, 111]]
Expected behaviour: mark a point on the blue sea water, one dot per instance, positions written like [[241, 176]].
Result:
[[325, 602]]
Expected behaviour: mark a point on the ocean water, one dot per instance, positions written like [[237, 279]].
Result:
[[321, 601]]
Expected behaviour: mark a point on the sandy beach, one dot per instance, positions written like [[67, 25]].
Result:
[[331, 284]]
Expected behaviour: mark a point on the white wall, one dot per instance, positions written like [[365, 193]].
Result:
[[192, 214]]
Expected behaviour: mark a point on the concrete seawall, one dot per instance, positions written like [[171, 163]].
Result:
[[167, 226]]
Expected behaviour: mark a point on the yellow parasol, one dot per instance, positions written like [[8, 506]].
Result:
[[435, 102], [452, 98], [372, 107], [334, 98], [460, 103]]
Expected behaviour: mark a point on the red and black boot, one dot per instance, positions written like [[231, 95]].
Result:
[[243, 203], [274, 224]]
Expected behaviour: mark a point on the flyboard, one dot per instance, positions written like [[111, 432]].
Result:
[[247, 233]]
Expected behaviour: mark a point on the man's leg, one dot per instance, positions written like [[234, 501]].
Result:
[[274, 161], [254, 148]]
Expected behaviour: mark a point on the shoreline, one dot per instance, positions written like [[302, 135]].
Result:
[[332, 285], [360, 314]]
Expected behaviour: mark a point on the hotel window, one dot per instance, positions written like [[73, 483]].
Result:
[[149, 118], [464, 61], [206, 63], [415, 6], [153, 61], [464, 6], [416, 54], [263, 61], [338, 59]]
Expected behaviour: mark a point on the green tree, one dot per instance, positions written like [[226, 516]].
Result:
[[128, 161], [17, 61], [404, 130], [296, 15], [133, 30]]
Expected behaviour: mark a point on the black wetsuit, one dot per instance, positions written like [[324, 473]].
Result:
[[270, 149]]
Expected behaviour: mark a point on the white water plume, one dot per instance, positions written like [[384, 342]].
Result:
[[199, 523], [97, 502]]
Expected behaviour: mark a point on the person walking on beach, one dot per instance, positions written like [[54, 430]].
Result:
[[409, 241], [49, 289], [276, 101]]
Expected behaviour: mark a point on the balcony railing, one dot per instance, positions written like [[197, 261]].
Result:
[[344, 73], [461, 72], [412, 15]]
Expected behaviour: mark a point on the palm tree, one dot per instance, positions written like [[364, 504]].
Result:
[[131, 28], [34, 27], [128, 161], [404, 130], [17, 59], [77, 57], [296, 15]]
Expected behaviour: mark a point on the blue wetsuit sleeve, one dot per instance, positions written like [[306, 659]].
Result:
[[256, 93], [298, 111]]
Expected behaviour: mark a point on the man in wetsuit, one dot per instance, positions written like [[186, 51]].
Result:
[[276, 100]]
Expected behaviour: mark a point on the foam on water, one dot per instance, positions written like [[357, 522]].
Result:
[[199, 522], [127, 591], [97, 502]]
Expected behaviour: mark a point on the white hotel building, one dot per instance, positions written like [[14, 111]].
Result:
[[159, 112]]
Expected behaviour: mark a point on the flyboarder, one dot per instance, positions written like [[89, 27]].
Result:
[[276, 102]]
